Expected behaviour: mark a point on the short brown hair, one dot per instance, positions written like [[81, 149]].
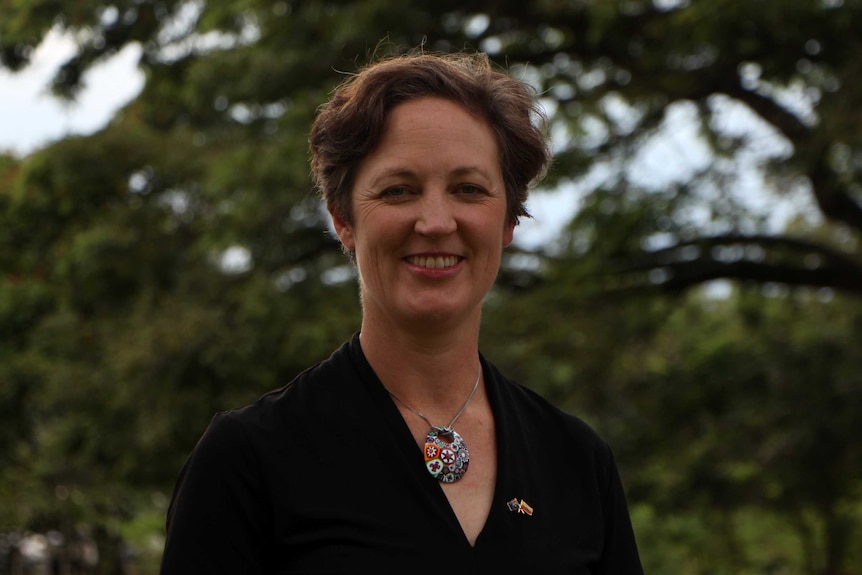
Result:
[[351, 124]]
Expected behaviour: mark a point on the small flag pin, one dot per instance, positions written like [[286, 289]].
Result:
[[521, 506]]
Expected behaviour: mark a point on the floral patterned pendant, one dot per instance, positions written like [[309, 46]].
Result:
[[446, 454]]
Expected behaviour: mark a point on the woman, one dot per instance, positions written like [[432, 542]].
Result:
[[406, 451]]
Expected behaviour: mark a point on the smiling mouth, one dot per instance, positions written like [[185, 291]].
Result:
[[433, 262]]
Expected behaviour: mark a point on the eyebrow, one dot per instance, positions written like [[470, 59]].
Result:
[[466, 170], [397, 172]]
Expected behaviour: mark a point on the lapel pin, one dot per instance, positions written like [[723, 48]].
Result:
[[521, 506]]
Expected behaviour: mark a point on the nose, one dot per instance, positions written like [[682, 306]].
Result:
[[436, 215]]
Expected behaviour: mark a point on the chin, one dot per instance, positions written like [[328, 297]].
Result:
[[427, 314]]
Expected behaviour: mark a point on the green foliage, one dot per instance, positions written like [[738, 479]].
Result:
[[177, 262], [733, 420]]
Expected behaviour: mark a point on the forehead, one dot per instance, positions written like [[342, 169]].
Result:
[[430, 112], [430, 133]]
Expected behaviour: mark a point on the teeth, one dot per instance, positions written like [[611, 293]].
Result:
[[434, 262]]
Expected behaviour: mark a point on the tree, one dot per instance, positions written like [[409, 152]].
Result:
[[615, 74], [733, 420], [173, 264]]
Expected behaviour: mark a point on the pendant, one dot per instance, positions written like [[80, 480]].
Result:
[[446, 455]]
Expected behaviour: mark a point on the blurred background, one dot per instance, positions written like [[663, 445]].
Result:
[[691, 284]]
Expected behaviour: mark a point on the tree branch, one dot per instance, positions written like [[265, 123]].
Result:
[[784, 261]]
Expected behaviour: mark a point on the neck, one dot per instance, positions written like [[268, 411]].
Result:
[[433, 372]]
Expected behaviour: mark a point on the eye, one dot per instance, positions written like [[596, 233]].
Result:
[[395, 192], [470, 190]]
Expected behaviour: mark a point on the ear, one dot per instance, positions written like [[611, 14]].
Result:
[[344, 231], [508, 235]]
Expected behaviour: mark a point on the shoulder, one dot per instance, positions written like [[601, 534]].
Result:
[[526, 412], [530, 404], [239, 443], [319, 388], [246, 435]]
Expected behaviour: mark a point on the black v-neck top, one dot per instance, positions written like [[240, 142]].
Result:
[[324, 476]]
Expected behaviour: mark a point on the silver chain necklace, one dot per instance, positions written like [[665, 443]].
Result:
[[446, 454]]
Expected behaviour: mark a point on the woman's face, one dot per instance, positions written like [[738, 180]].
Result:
[[429, 216]]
